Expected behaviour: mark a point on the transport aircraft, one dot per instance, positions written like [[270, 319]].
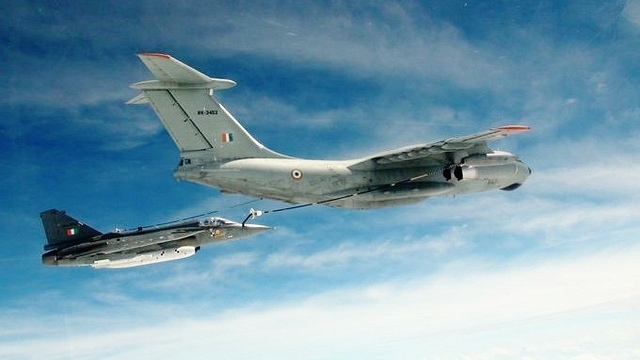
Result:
[[217, 151]]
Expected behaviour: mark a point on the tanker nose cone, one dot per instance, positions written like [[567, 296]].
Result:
[[522, 173], [523, 170]]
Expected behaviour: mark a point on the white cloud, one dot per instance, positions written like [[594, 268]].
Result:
[[348, 253], [572, 293], [542, 83], [386, 39], [63, 83], [631, 12], [384, 246], [582, 304]]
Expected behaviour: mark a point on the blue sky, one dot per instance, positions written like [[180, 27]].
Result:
[[547, 271]]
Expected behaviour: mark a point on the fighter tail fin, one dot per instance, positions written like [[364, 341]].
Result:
[[182, 97], [60, 227]]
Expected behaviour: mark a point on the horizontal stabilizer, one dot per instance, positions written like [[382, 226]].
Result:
[[166, 68], [174, 74], [139, 99]]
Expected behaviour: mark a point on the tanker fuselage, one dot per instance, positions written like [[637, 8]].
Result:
[[312, 181]]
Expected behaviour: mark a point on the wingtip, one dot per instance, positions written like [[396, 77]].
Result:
[[154, 54], [514, 128]]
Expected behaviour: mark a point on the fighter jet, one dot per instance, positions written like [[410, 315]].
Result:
[[217, 151], [73, 243]]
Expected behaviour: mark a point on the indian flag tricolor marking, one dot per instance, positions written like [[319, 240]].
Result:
[[227, 137], [72, 231]]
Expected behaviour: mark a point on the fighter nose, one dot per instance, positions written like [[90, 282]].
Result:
[[255, 228]]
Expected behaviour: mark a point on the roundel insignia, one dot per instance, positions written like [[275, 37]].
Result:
[[296, 174]]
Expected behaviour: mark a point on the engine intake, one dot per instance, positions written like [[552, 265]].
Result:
[[493, 172]]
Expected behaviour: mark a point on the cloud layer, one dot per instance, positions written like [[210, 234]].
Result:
[[561, 306], [547, 271]]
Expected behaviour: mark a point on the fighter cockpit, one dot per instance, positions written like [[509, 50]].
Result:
[[214, 222]]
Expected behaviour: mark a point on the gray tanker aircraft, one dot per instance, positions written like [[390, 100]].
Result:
[[72, 243], [217, 151]]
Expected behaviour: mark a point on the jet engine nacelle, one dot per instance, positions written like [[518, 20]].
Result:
[[493, 172], [492, 158], [147, 258]]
